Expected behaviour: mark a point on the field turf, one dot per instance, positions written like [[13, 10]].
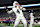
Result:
[[20, 25]]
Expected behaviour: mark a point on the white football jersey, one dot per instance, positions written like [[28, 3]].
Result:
[[32, 17], [17, 13]]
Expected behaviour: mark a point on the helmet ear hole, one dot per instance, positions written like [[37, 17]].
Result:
[[15, 6]]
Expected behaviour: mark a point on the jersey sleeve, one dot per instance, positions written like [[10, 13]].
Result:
[[9, 12], [22, 8]]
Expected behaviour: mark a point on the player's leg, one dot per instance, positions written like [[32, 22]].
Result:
[[24, 22], [31, 23], [16, 21]]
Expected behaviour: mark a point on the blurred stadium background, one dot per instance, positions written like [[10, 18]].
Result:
[[4, 16]]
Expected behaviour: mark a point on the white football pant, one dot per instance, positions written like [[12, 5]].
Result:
[[31, 21], [18, 20]]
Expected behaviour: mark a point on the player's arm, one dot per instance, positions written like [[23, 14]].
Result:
[[21, 7], [9, 12]]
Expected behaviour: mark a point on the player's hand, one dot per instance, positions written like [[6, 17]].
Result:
[[19, 5], [6, 7]]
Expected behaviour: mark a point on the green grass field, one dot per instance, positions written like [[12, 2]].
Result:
[[20, 25]]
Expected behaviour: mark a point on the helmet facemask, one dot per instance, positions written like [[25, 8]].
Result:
[[15, 4]]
